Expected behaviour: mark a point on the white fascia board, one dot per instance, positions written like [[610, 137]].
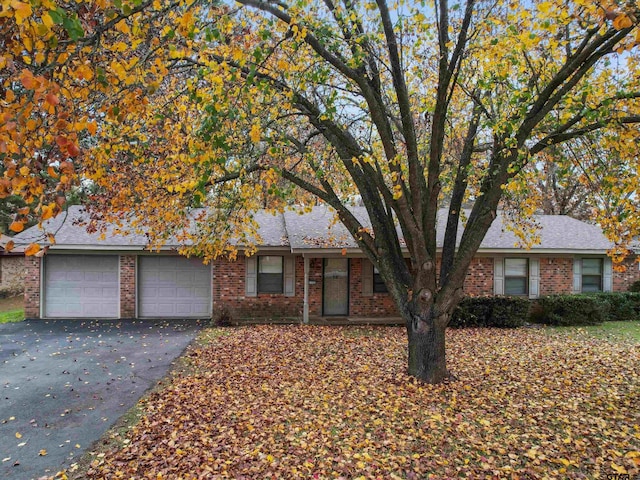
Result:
[[356, 252], [262, 250]]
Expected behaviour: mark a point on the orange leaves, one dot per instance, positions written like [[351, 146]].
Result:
[[32, 249], [622, 21], [48, 211], [28, 80], [331, 402], [16, 226], [52, 99]]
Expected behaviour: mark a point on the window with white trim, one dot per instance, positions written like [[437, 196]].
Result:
[[516, 276], [270, 274]]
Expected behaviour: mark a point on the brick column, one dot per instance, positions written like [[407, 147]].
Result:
[[127, 286], [32, 287]]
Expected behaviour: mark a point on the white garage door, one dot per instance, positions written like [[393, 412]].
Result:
[[81, 286], [173, 287]]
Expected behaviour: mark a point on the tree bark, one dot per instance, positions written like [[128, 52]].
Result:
[[426, 335]]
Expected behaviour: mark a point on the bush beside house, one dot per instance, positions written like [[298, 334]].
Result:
[[498, 312], [591, 309]]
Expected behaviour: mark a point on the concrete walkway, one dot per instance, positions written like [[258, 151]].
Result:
[[63, 383]]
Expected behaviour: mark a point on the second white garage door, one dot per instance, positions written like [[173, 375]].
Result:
[[173, 287]]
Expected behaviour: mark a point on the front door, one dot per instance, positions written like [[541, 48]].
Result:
[[335, 299]]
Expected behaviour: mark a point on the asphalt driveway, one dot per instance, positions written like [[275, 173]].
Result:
[[63, 383]]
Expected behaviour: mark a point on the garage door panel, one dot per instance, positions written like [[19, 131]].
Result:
[[110, 277], [173, 287], [167, 292], [78, 286], [185, 277]]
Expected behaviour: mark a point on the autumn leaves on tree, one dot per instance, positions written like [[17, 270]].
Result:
[[167, 106]]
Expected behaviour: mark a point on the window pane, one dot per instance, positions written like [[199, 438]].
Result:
[[591, 283], [270, 264], [591, 266], [516, 267], [270, 283], [515, 285], [378, 284]]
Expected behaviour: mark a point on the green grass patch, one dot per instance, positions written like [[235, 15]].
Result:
[[12, 316], [613, 331]]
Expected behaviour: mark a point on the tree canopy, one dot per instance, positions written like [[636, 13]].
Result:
[[169, 106]]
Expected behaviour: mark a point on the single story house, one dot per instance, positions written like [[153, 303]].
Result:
[[12, 271], [306, 266]]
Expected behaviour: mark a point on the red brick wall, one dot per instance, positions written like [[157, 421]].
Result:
[[32, 287], [229, 292], [127, 286], [479, 279], [376, 305], [315, 286], [623, 280], [556, 275]]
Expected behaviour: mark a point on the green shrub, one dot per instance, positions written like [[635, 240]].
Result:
[[634, 299], [569, 310], [499, 312], [620, 306], [635, 286]]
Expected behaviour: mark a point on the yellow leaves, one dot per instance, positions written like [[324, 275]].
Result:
[[47, 21], [18, 435], [544, 7], [119, 47], [84, 72], [21, 10], [119, 70], [122, 27], [32, 249], [618, 468], [42, 453], [255, 133]]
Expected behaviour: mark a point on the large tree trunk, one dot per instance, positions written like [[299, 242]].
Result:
[[426, 334]]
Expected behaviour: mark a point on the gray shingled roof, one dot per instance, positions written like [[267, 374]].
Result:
[[317, 229], [70, 229]]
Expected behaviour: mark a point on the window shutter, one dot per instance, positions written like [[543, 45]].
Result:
[[534, 278], [367, 278], [251, 277], [607, 275], [577, 275], [498, 276], [289, 276]]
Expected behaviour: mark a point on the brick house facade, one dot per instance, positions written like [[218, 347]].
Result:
[[306, 266], [229, 286]]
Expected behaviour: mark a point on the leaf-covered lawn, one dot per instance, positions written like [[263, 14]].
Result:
[[628, 331], [328, 402]]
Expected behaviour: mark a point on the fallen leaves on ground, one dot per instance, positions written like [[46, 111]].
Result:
[[327, 402]]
